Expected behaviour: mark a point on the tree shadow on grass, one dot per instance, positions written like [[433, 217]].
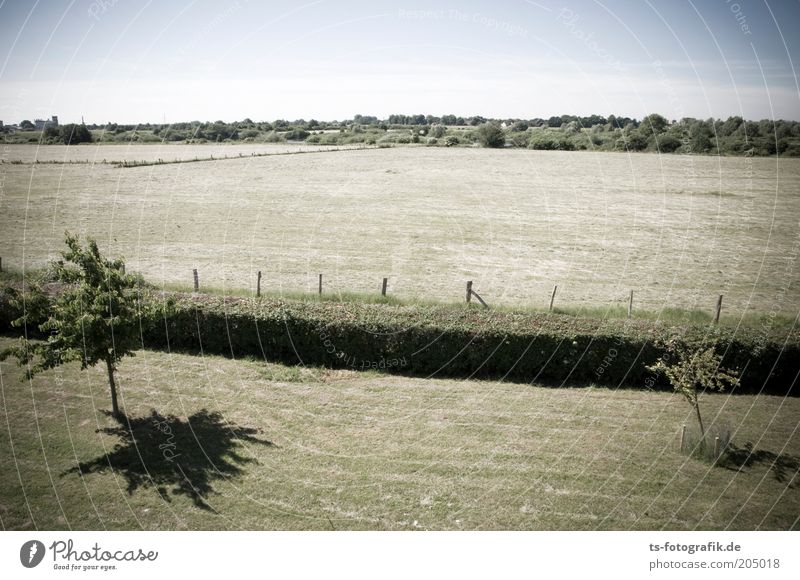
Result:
[[784, 467], [170, 454]]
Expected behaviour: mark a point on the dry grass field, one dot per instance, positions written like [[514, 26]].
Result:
[[251, 445], [678, 230]]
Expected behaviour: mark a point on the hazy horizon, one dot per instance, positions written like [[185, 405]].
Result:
[[138, 62]]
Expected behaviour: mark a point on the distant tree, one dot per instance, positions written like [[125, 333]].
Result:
[[94, 319], [437, 131], [26, 125], [72, 133], [667, 143], [653, 125], [700, 137], [491, 135], [302, 134], [520, 126], [632, 140]]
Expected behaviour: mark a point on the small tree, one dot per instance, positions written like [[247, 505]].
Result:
[[95, 318], [491, 135], [694, 372], [73, 133]]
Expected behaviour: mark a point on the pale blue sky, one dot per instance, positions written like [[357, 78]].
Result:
[[136, 61]]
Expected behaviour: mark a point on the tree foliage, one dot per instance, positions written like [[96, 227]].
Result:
[[491, 135], [95, 318], [71, 133]]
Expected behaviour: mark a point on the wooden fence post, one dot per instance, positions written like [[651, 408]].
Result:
[[630, 305], [469, 291], [478, 296], [320, 283], [683, 436], [716, 448], [383, 288], [719, 307], [196, 281], [553, 297], [258, 284]]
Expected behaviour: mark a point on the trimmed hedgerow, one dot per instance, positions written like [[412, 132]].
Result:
[[447, 341], [461, 342]]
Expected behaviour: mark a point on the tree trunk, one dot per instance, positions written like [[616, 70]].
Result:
[[114, 405], [700, 421]]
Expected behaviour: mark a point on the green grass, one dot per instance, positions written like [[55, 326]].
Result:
[[265, 446], [676, 316]]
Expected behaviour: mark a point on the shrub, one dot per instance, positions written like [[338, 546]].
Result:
[[273, 137], [551, 141], [296, 135], [668, 143], [490, 135], [72, 133], [459, 342]]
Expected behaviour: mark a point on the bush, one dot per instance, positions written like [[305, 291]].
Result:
[[296, 135], [432, 340], [273, 137], [72, 133], [458, 342], [451, 141], [490, 135], [668, 143], [551, 141]]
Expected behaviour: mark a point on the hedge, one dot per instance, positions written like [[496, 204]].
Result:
[[461, 342], [447, 341]]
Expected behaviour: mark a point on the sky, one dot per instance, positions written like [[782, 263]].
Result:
[[134, 61]]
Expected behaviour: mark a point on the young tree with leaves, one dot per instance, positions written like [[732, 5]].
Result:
[[93, 319], [694, 372]]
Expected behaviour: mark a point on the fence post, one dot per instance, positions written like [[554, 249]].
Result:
[[1, 264], [320, 283], [719, 307], [469, 291], [630, 305], [716, 448], [196, 281], [553, 297], [683, 436], [258, 284], [122, 268], [383, 288]]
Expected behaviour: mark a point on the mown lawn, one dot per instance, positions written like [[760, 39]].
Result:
[[223, 444]]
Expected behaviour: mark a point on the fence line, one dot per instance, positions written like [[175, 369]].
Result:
[[470, 292]]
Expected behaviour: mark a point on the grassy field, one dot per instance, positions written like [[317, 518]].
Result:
[[250, 445], [678, 230]]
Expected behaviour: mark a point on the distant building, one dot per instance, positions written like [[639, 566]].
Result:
[[41, 124]]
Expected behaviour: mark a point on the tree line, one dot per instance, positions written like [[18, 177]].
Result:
[[655, 133]]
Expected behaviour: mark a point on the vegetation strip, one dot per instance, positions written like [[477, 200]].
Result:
[[422, 340]]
